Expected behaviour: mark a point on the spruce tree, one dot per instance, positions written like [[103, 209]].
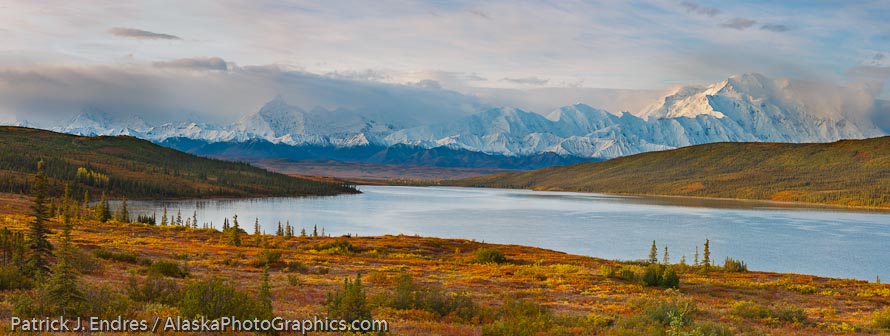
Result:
[[315, 230], [86, 198], [62, 286], [280, 231], [265, 293], [256, 233], [103, 214], [234, 234], [695, 261], [706, 260], [179, 217], [666, 259], [653, 254], [164, 217], [124, 213], [195, 219], [303, 232], [39, 246]]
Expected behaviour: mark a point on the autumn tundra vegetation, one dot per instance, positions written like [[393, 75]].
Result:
[[63, 256]]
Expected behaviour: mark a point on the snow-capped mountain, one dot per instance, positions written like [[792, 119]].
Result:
[[748, 107]]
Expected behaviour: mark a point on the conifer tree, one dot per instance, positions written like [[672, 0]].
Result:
[[706, 260], [666, 259], [653, 254], [39, 246], [124, 215], [103, 213], [62, 286], [265, 293], [256, 233], [195, 219], [303, 232], [86, 198], [234, 234], [315, 230], [280, 231], [164, 217], [179, 217], [683, 260], [695, 261]]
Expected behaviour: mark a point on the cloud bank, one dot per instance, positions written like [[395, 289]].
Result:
[[141, 34]]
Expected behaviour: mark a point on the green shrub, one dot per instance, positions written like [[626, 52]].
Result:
[[488, 255], [297, 267], [350, 303], [214, 298], [732, 265], [661, 276], [83, 262], [267, 258], [127, 257], [607, 271], [627, 274], [881, 318], [752, 310], [155, 288], [11, 277], [409, 295], [339, 247], [167, 268], [520, 318]]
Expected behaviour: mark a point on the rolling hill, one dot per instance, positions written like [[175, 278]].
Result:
[[847, 173], [127, 166]]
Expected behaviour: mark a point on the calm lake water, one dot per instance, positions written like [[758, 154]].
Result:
[[768, 236]]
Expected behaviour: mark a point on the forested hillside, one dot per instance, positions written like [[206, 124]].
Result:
[[848, 173], [126, 166]]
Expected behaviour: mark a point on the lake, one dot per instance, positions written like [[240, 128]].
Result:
[[768, 236]]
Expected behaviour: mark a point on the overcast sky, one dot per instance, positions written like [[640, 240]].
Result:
[[151, 47]]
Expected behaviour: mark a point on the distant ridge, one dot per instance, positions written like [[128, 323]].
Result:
[[127, 166], [847, 173]]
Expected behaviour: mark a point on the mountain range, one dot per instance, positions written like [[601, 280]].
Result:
[[744, 108]]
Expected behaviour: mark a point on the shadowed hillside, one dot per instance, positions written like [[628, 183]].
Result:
[[848, 173], [126, 166]]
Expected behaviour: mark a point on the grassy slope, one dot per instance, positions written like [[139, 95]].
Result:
[[848, 173], [138, 168], [570, 286]]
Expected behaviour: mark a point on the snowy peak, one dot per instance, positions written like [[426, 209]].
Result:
[[275, 119], [95, 121]]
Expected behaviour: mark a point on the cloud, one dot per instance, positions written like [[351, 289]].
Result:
[[481, 14], [692, 7], [526, 80], [739, 23], [201, 63], [141, 34], [475, 78], [49, 95], [778, 28]]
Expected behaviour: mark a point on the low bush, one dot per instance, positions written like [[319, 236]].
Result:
[[627, 274], [881, 318], [127, 257], [267, 258], [167, 268], [607, 271], [661, 276], [156, 289], [214, 298], [297, 267], [13, 278], [487, 255], [410, 295], [339, 247], [84, 263], [751, 310], [520, 318]]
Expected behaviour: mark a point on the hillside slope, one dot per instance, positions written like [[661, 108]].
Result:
[[126, 166], [849, 173]]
